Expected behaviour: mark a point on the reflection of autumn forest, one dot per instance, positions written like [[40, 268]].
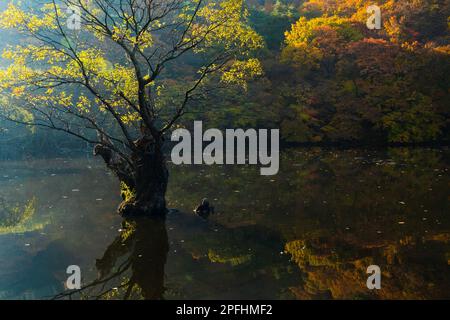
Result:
[[314, 238], [309, 232], [340, 212]]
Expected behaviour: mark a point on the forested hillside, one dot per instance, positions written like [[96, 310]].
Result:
[[328, 78], [325, 79]]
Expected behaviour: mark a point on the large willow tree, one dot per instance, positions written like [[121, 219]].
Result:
[[96, 69]]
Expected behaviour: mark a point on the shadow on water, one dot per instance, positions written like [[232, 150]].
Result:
[[132, 266]]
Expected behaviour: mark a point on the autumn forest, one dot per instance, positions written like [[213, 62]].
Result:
[[348, 101]]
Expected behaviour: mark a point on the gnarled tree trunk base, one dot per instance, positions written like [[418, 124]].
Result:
[[144, 178], [135, 208]]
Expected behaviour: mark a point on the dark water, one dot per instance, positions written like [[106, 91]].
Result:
[[309, 232]]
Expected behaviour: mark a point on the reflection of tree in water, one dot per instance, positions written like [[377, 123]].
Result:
[[18, 218], [12, 215], [132, 267], [334, 213]]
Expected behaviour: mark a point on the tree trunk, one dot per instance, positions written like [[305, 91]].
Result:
[[144, 184]]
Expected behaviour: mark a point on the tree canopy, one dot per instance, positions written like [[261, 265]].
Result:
[[111, 76]]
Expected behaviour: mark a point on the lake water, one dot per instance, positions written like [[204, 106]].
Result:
[[309, 232]]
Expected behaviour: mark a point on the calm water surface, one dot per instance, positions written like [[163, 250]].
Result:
[[308, 233]]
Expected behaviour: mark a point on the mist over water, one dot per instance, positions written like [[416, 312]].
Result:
[[309, 232]]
